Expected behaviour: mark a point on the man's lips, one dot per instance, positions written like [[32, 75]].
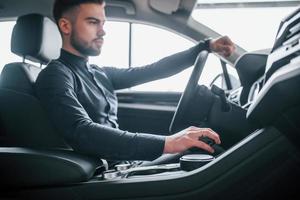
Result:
[[99, 41]]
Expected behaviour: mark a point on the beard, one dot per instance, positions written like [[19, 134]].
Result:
[[83, 47]]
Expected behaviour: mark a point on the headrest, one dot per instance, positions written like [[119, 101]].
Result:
[[36, 38]]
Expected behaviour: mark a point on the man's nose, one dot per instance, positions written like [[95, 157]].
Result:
[[101, 31]]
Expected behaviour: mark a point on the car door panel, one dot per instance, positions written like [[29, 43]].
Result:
[[149, 112]]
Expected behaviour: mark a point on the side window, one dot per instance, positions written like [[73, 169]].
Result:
[[213, 73], [211, 69], [140, 44], [6, 56], [149, 44], [115, 51]]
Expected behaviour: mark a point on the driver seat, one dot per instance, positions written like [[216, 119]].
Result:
[[21, 115], [31, 152]]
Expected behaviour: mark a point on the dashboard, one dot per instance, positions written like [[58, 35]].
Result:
[[270, 81]]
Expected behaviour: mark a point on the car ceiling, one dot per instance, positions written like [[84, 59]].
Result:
[[10, 9], [170, 14]]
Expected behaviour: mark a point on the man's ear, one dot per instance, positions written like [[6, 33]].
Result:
[[65, 26]]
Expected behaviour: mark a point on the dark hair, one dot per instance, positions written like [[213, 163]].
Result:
[[62, 6]]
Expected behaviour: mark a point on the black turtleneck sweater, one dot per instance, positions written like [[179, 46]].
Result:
[[81, 102]]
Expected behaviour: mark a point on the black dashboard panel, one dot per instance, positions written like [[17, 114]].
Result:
[[275, 96], [251, 66], [278, 94]]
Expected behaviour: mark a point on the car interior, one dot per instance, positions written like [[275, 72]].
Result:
[[258, 120]]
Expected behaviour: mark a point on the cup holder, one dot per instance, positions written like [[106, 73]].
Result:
[[190, 162]]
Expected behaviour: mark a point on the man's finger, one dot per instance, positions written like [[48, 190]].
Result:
[[206, 132], [204, 146], [227, 40], [212, 135], [225, 50]]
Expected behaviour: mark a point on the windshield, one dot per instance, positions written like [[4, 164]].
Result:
[[251, 27]]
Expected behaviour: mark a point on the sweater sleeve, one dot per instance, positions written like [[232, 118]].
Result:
[[55, 87], [123, 78]]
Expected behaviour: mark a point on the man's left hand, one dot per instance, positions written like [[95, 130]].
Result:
[[222, 45]]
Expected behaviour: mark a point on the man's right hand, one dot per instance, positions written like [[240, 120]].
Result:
[[189, 138], [222, 45]]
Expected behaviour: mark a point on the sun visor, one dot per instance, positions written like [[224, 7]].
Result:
[[166, 7]]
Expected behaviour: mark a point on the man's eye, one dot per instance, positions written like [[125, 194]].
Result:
[[93, 22]]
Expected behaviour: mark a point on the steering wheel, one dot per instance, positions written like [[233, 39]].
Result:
[[190, 89], [182, 108]]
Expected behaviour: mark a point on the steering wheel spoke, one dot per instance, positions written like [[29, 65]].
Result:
[[182, 108]]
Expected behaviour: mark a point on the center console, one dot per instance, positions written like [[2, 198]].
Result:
[[186, 163]]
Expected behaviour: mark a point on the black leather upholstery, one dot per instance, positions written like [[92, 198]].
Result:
[[25, 123], [20, 77], [37, 38], [30, 167]]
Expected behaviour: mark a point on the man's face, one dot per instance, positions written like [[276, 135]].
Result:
[[87, 29]]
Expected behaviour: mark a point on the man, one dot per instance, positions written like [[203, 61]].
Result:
[[80, 98]]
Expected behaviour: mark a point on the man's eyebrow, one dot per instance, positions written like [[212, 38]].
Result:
[[94, 18]]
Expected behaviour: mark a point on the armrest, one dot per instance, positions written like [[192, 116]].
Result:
[[30, 167]]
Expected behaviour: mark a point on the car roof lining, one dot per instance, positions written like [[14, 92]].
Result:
[[175, 18]]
